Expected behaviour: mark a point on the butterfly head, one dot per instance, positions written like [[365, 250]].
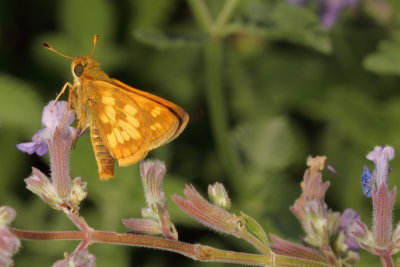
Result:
[[84, 66]]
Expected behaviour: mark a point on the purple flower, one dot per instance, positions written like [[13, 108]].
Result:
[[56, 119], [56, 137], [328, 10], [9, 244], [367, 182], [156, 219], [80, 258], [346, 220], [381, 155]]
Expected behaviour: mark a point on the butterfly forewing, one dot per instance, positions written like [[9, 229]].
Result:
[[131, 124]]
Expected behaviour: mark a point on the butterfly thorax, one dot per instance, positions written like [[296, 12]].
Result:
[[85, 70]]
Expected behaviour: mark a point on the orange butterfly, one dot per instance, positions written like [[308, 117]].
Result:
[[125, 123]]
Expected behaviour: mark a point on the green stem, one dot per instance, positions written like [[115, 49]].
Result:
[[213, 76], [196, 251], [217, 109], [225, 14], [202, 14]]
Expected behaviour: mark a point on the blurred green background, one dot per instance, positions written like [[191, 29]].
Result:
[[270, 89]]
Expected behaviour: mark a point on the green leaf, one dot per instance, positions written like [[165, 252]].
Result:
[[151, 13], [163, 40], [386, 59], [76, 35], [255, 228], [267, 144], [287, 22], [19, 104]]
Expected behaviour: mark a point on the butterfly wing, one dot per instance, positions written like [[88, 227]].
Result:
[[131, 122]]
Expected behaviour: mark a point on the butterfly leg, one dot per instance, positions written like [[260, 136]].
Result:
[[66, 85], [105, 162], [79, 129]]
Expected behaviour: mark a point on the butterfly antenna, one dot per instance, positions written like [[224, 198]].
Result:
[[48, 46], [95, 37]]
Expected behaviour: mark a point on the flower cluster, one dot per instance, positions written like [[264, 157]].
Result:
[[381, 240], [60, 191]]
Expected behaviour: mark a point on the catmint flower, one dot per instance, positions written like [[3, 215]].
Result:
[[156, 219], [40, 185], [381, 155], [328, 10], [55, 117], [208, 214], [283, 247], [346, 220], [60, 192], [317, 221], [152, 173], [80, 258], [218, 195], [142, 226], [380, 240], [9, 244], [367, 182]]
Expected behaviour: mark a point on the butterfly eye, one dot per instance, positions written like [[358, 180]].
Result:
[[78, 70]]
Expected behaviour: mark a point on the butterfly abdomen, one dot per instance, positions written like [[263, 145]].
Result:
[[104, 159]]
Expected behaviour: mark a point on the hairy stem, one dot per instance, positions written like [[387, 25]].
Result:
[[196, 252]]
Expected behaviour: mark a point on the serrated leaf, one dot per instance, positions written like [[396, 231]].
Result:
[[163, 40], [386, 59]]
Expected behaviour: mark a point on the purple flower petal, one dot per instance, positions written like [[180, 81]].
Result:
[[33, 147], [367, 182], [346, 220], [381, 155], [55, 118], [56, 115]]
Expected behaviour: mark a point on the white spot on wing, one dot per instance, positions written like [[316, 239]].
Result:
[[130, 110], [112, 140], [108, 100], [110, 111]]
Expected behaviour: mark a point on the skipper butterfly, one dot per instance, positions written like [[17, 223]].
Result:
[[125, 123]]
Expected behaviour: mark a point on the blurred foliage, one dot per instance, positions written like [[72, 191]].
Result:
[[291, 89]]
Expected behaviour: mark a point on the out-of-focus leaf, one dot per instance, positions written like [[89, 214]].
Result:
[[284, 22], [386, 59], [352, 114], [76, 37], [20, 105], [162, 40], [268, 144], [74, 16], [165, 74], [151, 13]]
